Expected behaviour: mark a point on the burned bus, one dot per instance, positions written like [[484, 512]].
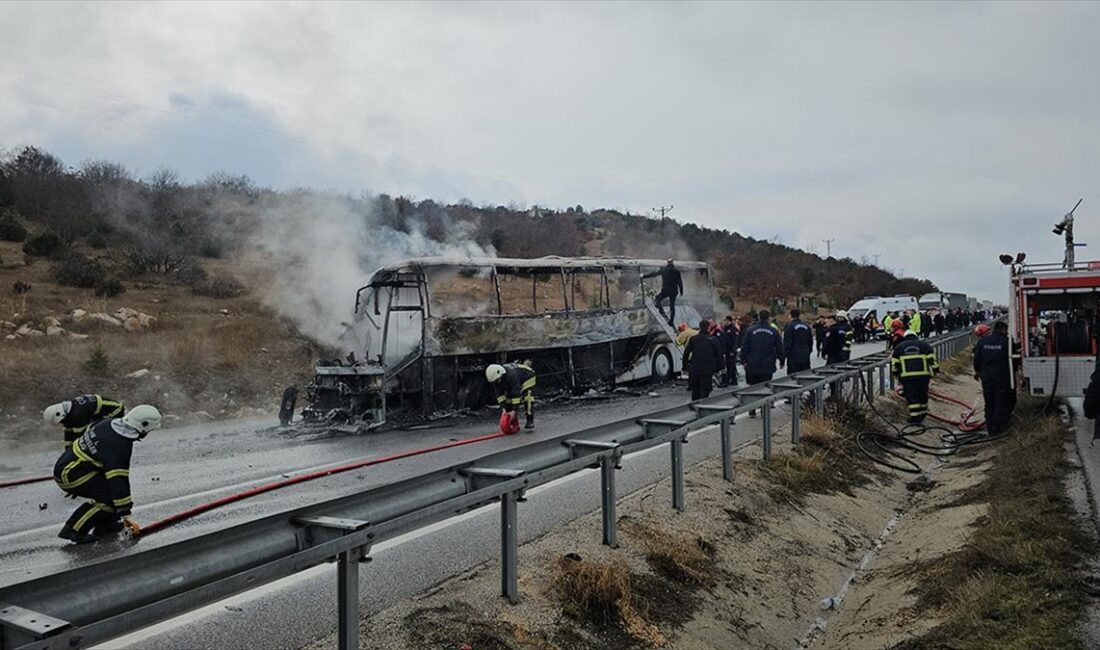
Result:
[[425, 329]]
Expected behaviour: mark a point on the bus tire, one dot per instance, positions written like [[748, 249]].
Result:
[[661, 366]]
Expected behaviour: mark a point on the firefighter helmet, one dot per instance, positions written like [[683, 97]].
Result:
[[494, 372], [55, 413], [981, 330], [143, 419], [842, 314]]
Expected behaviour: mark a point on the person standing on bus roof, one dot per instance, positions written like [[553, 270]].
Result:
[[672, 285], [515, 385]]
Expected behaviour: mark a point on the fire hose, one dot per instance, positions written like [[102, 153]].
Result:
[[275, 485], [887, 449]]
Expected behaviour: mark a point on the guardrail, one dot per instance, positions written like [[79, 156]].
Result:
[[106, 599]]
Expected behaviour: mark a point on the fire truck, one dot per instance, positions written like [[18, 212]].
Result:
[[1053, 317]]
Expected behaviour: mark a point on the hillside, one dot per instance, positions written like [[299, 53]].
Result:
[[247, 286]]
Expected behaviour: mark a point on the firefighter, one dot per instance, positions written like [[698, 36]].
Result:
[[730, 335], [838, 339], [96, 466], [991, 359], [672, 285], [897, 333], [913, 363], [761, 350], [515, 385], [79, 413], [798, 343]]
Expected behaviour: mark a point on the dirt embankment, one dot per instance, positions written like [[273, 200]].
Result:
[[206, 358], [819, 547]]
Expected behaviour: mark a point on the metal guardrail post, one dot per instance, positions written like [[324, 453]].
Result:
[[607, 487], [796, 418], [677, 446], [509, 548], [819, 400], [726, 432], [347, 595], [882, 372], [766, 424]]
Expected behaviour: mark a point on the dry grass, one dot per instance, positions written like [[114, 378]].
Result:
[[1015, 583], [688, 561], [602, 594], [960, 364]]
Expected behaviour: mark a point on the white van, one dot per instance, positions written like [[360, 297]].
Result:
[[880, 306]]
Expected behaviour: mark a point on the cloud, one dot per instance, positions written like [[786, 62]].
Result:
[[935, 135]]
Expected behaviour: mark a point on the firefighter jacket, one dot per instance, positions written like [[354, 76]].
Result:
[[86, 410], [798, 342], [913, 358], [105, 448], [762, 347], [838, 342], [703, 355], [991, 357], [518, 380]]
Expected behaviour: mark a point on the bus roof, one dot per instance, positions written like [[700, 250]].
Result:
[[550, 261]]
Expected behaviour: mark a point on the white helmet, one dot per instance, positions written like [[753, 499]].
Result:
[[142, 418], [55, 413], [494, 372], [842, 314]]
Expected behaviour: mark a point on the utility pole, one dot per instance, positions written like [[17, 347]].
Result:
[[828, 247], [663, 210], [876, 256]]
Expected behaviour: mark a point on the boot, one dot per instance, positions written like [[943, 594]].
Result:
[[75, 536], [530, 422], [108, 527]]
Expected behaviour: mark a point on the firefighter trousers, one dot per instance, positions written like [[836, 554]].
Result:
[[96, 514], [915, 391], [998, 397]]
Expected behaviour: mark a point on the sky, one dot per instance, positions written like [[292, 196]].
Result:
[[935, 136]]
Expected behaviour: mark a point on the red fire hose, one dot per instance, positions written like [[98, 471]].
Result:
[[963, 423], [24, 481], [260, 489]]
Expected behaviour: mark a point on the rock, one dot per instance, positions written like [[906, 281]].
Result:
[[54, 330], [132, 324], [223, 312], [203, 415], [10, 337], [50, 321], [147, 321], [105, 319], [138, 374], [79, 337], [8, 325], [24, 330], [78, 315], [34, 333], [170, 417], [124, 313]]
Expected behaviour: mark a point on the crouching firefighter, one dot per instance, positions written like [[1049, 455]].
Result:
[[913, 363], [79, 413], [514, 384], [97, 467]]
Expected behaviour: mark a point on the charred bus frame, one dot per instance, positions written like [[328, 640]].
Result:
[[428, 327]]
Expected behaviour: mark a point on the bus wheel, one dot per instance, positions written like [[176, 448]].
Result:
[[661, 369]]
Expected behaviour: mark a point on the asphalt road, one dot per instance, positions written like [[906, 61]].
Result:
[[178, 468]]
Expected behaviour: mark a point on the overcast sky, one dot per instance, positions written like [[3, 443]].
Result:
[[933, 135]]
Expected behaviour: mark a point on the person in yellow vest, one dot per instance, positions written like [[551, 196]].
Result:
[[685, 334]]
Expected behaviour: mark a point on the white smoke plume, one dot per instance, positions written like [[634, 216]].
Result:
[[318, 249]]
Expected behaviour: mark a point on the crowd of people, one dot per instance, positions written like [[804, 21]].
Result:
[[714, 349]]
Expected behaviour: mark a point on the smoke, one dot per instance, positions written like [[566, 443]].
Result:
[[317, 250]]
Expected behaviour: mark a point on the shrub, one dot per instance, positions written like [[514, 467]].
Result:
[[109, 287], [190, 274], [98, 363], [43, 244], [220, 286], [20, 288], [97, 239], [10, 228], [77, 270], [211, 248]]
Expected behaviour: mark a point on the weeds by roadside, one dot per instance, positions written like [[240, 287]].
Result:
[[1014, 584]]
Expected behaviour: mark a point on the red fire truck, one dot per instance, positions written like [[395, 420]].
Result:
[[1053, 319]]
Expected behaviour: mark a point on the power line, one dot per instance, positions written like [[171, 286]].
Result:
[[663, 210], [829, 247]]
